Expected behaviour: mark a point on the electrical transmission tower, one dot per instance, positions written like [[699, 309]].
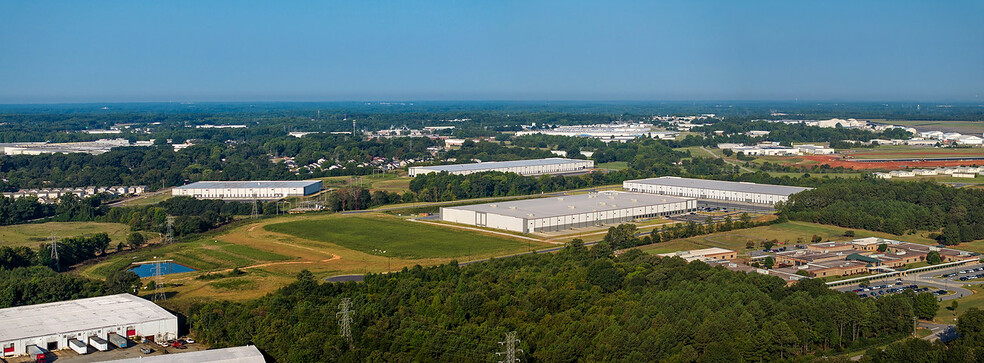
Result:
[[158, 280], [510, 344], [169, 238], [345, 318], [54, 254], [256, 210]]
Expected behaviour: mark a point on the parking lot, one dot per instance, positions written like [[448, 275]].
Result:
[[877, 291], [965, 275], [136, 350]]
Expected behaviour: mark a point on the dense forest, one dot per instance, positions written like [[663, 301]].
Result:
[[575, 305], [893, 207], [39, 284]]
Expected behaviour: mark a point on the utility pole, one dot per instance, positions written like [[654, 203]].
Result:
[[169, 239], [345, 319], [158, 281], [54, 253], [510, 345]]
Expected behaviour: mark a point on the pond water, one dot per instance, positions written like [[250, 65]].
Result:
[[167, 268]]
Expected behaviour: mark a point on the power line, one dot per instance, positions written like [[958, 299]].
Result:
[[158, 281], [255, 212], [345, 319], [54, 254], [170, 230], [510, 344]]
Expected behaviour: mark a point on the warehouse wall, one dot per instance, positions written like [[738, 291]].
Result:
[[165, 329], [703, 193]]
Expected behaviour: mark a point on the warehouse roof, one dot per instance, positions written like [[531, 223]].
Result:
[[76, 315], [572, 204], [744, 187], [250, 184], [246, 354], [499, 164]]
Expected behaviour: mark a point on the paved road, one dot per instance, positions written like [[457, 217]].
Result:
[[928, 279], [942, 332], [726, 160]]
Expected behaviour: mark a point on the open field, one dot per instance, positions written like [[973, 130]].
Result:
[[390, 236], [390, 182], [786, 233], [339, 244], [148, 200], [899, 151], [966, 127], [614, 165], [32, 235]]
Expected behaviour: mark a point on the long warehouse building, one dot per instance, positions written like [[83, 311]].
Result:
[[50, 326], [243, 354], [521, 167], [248, 190], [568, 212], [713, 189]]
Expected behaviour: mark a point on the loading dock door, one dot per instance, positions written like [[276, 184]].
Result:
[[481, 218]]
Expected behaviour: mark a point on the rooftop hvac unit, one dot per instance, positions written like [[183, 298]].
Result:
[[513, 208], [560, 198], [492, 205]]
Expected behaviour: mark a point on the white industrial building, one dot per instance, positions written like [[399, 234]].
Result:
[[50, 326], [713, 189], [567, 212], [521, 167], [244, 354], [248, 190]]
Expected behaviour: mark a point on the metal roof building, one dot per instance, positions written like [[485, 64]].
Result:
[[50, 326], [713, 189], [521, 167], [244, 354], [567, 212], [248, 190]]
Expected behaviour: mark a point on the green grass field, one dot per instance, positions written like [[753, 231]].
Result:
[[789, 232], [397, 237], [324, 244], [32, 235], [148, 200], [614, 165], [945, 315], [390, 182]]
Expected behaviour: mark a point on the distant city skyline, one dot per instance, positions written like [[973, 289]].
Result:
[[254, 51]]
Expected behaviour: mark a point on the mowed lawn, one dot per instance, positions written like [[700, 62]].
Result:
[[384, 235], [32, 235], [789, 232]]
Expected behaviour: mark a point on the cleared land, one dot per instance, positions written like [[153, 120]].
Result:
[[325, 244], [389, 236], [788, 233], [614, 165], [390, 182], [898, 151], [32, 235]]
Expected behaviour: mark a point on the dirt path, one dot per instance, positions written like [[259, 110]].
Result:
[[333, 258]]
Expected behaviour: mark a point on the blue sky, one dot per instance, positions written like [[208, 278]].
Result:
[[122, 51]]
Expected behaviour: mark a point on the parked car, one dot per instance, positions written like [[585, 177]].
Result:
[[146, 350]]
